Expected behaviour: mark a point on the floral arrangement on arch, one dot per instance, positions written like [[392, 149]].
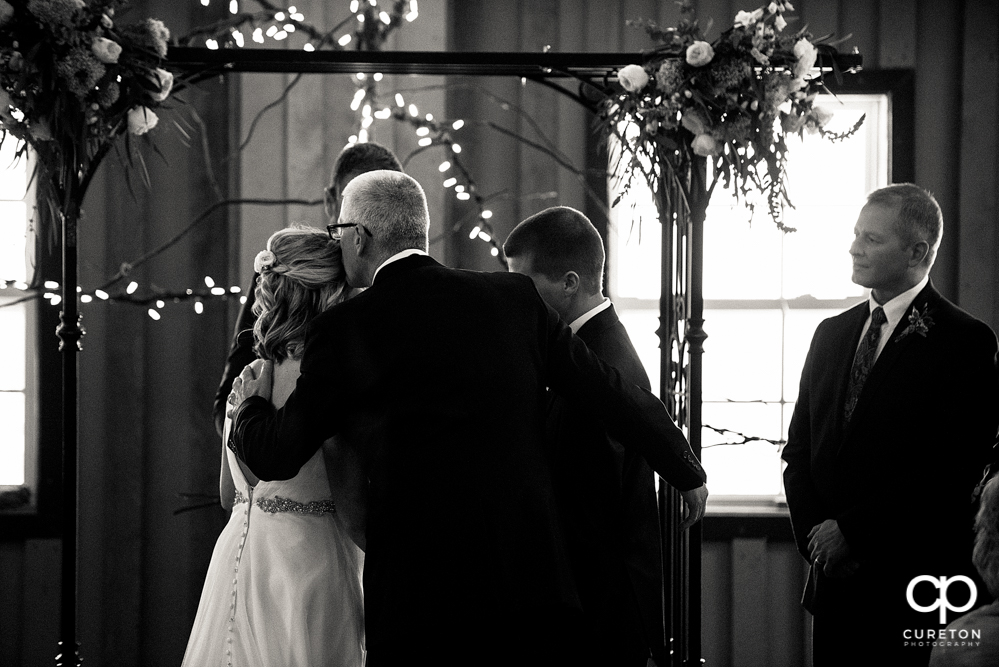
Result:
[[731, 101], [72, 81]]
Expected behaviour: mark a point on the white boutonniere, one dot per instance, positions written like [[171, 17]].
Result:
[[919, 322]]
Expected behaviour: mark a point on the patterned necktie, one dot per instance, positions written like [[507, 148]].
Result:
[[864, 361]]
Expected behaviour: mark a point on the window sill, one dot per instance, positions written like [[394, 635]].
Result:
[[730, 517]]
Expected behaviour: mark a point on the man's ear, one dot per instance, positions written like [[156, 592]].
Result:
[[570, 283], [360, 241], [918, 253]]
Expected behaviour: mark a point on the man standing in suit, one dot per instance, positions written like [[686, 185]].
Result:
[[441, 374], [606, 495], [353, 160], [896, 415]]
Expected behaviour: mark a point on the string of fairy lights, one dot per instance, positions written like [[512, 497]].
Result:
[[367, 27]]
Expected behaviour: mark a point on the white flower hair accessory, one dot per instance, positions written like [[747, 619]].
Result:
[[264, 260]]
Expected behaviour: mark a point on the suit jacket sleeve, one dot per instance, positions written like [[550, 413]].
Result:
[[274, 443], [633, 415], [798, 486], [240, 354]]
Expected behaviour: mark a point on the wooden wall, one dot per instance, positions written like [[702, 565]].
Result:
[[147, 387]]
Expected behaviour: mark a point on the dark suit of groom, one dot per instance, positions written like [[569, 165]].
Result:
[[607, 498], [440, 375], [893, 474]]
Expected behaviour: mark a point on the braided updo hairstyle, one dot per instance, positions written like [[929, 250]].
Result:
[[304, 277]]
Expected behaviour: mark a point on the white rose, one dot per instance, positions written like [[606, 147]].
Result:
[[699, 54], [705, 145], [780, 23], [6, 11], [165, 81], [806, 53], [746, 19], [264, 260], [106, 50], [633, 78], [141, 120]]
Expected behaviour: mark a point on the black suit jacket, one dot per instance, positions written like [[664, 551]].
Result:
[[898, 476], [607, 499], [441, 375]]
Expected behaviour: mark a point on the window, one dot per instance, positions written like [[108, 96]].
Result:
[[764, 293], [17, 372]]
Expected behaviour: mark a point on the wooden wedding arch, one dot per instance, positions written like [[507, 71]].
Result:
[[581, 77]]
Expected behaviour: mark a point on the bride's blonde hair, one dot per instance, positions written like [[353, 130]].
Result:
[[301, 277]]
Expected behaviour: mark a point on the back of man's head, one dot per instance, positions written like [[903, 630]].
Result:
[[359, 158], [558, 240], [392, 206]]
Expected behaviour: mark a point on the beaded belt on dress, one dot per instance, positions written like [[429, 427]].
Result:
[[279, 504]]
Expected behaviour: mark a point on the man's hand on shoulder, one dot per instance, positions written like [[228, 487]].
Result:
[[696, 500], [255, 380]]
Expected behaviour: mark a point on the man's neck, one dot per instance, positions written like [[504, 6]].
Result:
[[583, 306]]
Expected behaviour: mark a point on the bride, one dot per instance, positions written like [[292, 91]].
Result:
[[284, 583]]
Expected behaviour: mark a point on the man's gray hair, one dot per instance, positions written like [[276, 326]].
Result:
[[392, 206], [917, 214]]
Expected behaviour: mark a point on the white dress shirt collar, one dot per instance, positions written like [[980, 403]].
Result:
[[895, 310], [399, 255], [578, 323]]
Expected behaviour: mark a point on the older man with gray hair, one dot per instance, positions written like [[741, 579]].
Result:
[[440, 376]]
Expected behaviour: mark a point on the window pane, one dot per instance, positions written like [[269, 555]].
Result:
[[12, 328], [15, 175], [748, 469], [635, 254], [799, 327], [12, 445], [742, 355], [741, 261], [817, 256], [13, 215]]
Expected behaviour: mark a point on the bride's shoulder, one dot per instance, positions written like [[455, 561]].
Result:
[[285, 376]]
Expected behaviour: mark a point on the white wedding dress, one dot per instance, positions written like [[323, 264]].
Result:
[[283, 587]]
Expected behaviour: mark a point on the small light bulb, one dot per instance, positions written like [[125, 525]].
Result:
[[458, 124], [159, 303], [475, 232], [209, 282], [218, 291], [449, 182], [486, 214], [444, 166], [344, 41], [199, 307], [153, 313], [132, 286]]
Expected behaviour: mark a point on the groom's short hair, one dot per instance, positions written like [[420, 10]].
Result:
[[558, 240], [363, 157], [393, 207]]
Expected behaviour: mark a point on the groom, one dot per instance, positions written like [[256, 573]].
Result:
[[441, 375]]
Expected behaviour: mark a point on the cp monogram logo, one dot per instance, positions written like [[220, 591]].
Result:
[[942, 602]]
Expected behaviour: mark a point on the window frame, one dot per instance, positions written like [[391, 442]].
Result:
[[40, 516], [732, 516]]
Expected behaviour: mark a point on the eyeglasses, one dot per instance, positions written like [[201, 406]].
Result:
[[341, 225]]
